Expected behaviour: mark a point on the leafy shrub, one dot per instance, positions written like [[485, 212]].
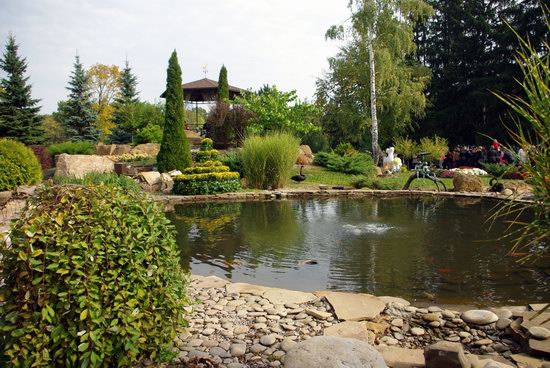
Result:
[[268, 160], [498, 170], [131, 157], [44, 157], [72, 148], [207, 144], [233, 160], [207, 183], [317, 141], [18, 165], [345, 149], [151, 133], [405, 146], [205, 169], [359, 163], [110, 179], [436, 147], [210, 155], [381, 184], [92, 279]]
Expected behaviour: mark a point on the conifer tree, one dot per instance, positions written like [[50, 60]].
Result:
[[128, 86], [175, 153], [18, 110], [223, 86], [78, 117]]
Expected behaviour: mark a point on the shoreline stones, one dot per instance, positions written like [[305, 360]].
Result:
[[236, 325]]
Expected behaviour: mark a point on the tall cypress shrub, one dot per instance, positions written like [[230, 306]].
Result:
[[19, 117], [174, 153], [223, 86]]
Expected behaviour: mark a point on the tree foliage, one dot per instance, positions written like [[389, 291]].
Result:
[[175, 153], [274, 110], [76, 114], [223, 85], [19, 117], [105, 85]]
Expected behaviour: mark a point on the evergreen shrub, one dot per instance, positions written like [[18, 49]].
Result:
[[207, 179], [93, 178], [92, 279], [233, 159], [18, 165], [72, 148], [268, 160], [358, 163]]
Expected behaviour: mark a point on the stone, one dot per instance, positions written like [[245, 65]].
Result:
[[398, 322], [539, 347], [244, 288], [333, 352], [102, 149], [287, 344], [121, 149], [526, 360], [502, 323], [282, 296], [391, 299], [210, 282], [268, 340], [539, 333], [238, 350], [482, 342], [76, 166], [151, 149], [349, 329], [467, 183], [217, 351], [241, 330], [355, 307], [430, 317], [444, 354], [257, 348], [389, 340], [305, 157], [207, 331], [378, 328], [318, 314], [417, 331], [396, 357], [479, 317]]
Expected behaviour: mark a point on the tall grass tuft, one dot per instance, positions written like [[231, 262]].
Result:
[[531, 132], [268, 160]]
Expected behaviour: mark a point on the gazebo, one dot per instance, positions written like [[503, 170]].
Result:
[[204, 91]]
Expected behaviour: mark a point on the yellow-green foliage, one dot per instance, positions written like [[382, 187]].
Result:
[[210, 179], [92, 279], [406, 147], [436, 147], [205, 169], [219, 176], [18, 165]]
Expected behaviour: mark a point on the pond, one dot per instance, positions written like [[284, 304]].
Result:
[[422, 249]]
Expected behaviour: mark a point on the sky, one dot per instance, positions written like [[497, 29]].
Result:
[[277, 42]]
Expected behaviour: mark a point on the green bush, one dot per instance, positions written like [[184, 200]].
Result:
[[205, 169], [151, 133], [122, 181], [268, 160], [234, 161], [92, 279], [498, 170], [207, 144], [436, 147], [207, 183], [209, 155], [317, 141], [72, 148], [345, 149], [378, 184], [356, 164], [18, 165]]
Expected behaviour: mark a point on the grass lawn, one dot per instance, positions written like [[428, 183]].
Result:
[[316, 175]]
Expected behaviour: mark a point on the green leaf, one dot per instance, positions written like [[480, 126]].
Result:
[[84, 346], [83, 314]]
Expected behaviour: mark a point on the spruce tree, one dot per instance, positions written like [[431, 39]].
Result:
[[128, 95], [175, 153], [77, 115], [223, 86], [19, 117]]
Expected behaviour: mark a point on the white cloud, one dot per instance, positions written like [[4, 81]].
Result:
[[277, 42]]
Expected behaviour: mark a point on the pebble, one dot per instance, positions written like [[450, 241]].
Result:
[[208, 331], [287, 344], [238, 350], [398, 322], [539, 333], [241, 330], [483, 342], [417, 331], [268, 340], [257, 348], [430, 317], [479, 317]]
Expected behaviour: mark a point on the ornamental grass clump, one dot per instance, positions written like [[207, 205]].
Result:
[[18, 165], [268, 160], [91, 279]]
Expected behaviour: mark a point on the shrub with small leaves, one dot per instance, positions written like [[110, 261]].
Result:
[[91, 279], [210, 178], [18, 165]]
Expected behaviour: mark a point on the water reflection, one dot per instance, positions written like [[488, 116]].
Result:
[[432, 248]]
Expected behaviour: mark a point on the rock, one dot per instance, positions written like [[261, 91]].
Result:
[[396, 357], [121, 149], [318, 314], [238, 350], [5, 196], [526, 360], [391, 299], [257, 348], [151, 149], [483, 342], [166, 183], [507, 192], [445, 354], [241, 330], [389, 340], [102, 149], [398, 322], [502, 323], [208, 331], [150, 177], [210, 282], [283, 296], [430, 317], [479, 317], [244, 288], [417, 331], [333, 352], [76, 166], [268, 340], [467, 183], [539, 333], [287, 344], [355, 307], [305, 157], [217, 351], [350, 329]]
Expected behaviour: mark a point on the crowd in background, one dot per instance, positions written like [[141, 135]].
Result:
[[473, 156]]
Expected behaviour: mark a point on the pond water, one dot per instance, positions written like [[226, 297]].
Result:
[[421, 249]]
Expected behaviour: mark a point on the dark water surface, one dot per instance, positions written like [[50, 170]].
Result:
[[415, 248]]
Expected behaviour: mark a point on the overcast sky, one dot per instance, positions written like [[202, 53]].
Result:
[[278, 42]]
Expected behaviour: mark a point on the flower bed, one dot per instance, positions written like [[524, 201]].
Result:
[[470, 171]]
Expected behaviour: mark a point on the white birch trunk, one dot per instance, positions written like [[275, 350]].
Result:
[[376, 152]]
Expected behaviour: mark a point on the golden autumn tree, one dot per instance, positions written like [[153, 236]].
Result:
[[105, 86]]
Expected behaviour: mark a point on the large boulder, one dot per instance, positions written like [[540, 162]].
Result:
[[306, 155], [151, 149], [445, 354], [102, 149], [121, 149], [76, 166], [467, 183], [333, 352]]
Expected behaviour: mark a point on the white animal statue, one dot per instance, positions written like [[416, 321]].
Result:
[[388, 163], [397, 163]]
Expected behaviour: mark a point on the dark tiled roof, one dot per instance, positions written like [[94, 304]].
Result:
[[204, 85]]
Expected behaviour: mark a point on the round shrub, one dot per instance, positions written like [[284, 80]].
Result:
[[18, 165], [92, 279]]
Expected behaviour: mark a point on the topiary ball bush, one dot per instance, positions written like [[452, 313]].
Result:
[[92, 279], [18, 165]]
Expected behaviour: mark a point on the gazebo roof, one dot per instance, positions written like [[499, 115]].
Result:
[[204, 90]]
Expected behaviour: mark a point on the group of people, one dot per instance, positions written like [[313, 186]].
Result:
[[473, 156]]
